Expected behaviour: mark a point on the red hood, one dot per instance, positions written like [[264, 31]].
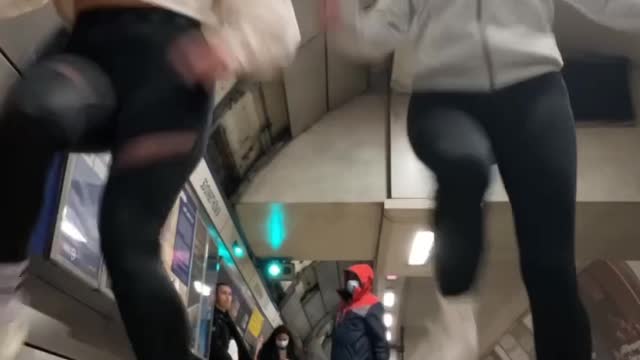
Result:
[[363, 296]]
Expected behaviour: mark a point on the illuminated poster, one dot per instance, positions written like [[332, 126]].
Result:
[[41, 237], [197, 287], [76, 242], [185, 230], [206, 307], [167, 243]]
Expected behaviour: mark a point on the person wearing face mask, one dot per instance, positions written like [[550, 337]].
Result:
[[359, 333], [278, 346]]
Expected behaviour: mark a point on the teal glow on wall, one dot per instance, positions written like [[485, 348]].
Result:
[[276, 226], [223, 252]]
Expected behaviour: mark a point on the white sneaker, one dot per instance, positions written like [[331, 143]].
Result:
[[13, 333]]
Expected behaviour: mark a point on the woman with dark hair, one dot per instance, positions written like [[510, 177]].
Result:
[[278, 346]]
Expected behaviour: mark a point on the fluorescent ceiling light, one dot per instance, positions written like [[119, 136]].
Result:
[[389, 299], [388, 320], [201, 288], [392, 277], [421, 248], [388, 335]]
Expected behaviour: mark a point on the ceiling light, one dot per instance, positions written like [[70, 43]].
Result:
[[389, 299], [392, 277], [388, 335], [388, 320], [421, 248], [201, 288]]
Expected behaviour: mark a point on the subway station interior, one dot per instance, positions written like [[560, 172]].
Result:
[[313, 172]]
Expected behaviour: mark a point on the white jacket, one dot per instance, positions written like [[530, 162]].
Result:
[[473, 45], [263, 34]]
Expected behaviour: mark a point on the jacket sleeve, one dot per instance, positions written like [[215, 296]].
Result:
[[262, 35], [375, 32], [617, 14], [218, 350], [377, 332], [243, 351]]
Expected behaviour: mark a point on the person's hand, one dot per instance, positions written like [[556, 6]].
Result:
[[330, 14], [202, 61]]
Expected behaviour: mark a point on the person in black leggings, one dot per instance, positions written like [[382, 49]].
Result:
[[154, 105], [487, 88], [119, 86], [528, 130]]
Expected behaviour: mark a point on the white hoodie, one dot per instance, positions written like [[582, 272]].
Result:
[[263, 34], [472, 45]]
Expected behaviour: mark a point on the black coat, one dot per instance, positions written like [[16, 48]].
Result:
[[223, 330], [360, 335]]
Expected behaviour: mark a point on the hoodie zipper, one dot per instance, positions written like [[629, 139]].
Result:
[[485, 45]]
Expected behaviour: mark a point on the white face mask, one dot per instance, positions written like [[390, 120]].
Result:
[[352, 285], [282, 344]]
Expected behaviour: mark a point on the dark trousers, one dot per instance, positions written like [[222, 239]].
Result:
[[155, 109], [528, 130]]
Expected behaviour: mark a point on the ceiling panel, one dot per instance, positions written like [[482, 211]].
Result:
[[307, 14], [306, 85], [340, 159], [22, 35], [312, 231], [346, 78], [603, 230]]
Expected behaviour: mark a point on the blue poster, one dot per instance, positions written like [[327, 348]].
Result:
[[77, 243], [41, 236], [185, 231]]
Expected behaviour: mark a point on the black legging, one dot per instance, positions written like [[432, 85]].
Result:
[[154, 108], [529, 129]]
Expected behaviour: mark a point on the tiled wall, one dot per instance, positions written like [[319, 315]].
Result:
[[610, 291]]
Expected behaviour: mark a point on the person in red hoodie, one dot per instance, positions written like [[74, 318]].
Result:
[[359, 333]]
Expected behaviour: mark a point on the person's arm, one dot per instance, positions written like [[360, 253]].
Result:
[[243, 351], [262, 36], [617, 14], [219, 339], [259, 345], [377, 31], [376, 332]]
